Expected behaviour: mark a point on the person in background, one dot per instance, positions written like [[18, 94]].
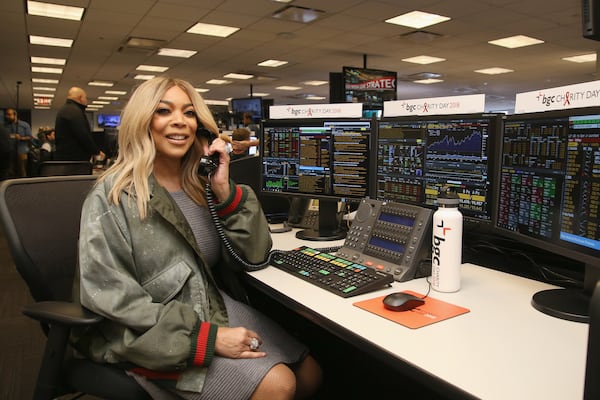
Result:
[[238, 137], [241, 142], [244, 145], [47, 137], [153, 264], [74, 141], [248, 122], [4, 153], [20, 133]]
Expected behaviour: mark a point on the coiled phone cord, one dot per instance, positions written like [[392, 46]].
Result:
[[221, 232]]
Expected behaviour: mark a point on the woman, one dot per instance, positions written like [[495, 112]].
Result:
[[150, 260]]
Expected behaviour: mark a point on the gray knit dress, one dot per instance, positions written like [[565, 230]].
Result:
[[228, 378]]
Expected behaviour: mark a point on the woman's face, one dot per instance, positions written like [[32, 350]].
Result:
[[173, 125]]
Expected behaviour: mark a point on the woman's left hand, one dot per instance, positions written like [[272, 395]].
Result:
[[238, 343]]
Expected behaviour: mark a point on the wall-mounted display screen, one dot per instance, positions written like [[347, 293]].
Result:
[[247, 104], [108, 120]]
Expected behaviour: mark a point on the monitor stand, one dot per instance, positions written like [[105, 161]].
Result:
[[329, 225], [569, 304]]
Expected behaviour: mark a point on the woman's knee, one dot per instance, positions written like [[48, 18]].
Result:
[[278, 383], [309, 378]]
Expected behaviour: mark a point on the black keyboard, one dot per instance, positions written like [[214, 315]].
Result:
[[337, 275], [331, 249]]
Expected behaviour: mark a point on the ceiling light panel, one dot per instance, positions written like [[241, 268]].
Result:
[[516, 41], [212, 30], [176, 52], [49, 41], [49, 61], [417, 19], [217, 82], [591, 57], [100, 83], [117, 92], [423, 60], [47, 70], [290, 88], [428, 81], [494, 71], [272, 63], [42, 80], [151, 68], [315, 83], [234, 75], [54, 10]]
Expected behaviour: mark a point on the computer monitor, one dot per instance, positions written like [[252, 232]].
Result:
[[247, 104], [246, 170], [548, 196], [417, 156], [108, 120], [325, 159]]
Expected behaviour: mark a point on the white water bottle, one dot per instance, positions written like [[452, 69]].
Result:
[[446, 257]]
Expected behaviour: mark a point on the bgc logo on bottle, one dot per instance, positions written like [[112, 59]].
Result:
[[439, 237]]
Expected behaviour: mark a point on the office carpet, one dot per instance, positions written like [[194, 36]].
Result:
[[21, 339]]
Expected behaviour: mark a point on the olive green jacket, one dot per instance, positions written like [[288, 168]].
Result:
[[148, 279]]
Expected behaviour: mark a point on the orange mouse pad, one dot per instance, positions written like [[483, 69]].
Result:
[[431, 312]]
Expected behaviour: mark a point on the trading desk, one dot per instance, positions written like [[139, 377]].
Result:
[[502, 349]]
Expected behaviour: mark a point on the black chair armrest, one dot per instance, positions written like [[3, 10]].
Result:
[[61, 312], [59, 317]]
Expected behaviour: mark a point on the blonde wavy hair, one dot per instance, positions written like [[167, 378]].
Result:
[[135, 159]]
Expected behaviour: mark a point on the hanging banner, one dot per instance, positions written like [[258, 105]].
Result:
[[371, 87], [559, 98], [435, 106], [338, 110]]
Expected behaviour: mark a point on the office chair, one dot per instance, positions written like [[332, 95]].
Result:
[[40, 217], [592, 367], [55, 168]]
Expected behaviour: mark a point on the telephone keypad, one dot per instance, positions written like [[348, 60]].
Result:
[[394, 236]]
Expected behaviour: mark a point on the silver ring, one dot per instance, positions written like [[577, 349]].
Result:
[[254, 344], [228, 148]]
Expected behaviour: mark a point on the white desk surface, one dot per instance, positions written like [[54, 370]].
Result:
[[502, 349]]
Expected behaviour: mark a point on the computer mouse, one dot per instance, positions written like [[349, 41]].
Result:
[[401, 301]]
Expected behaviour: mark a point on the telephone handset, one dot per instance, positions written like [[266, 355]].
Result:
[[208, 164], [391, 237]]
